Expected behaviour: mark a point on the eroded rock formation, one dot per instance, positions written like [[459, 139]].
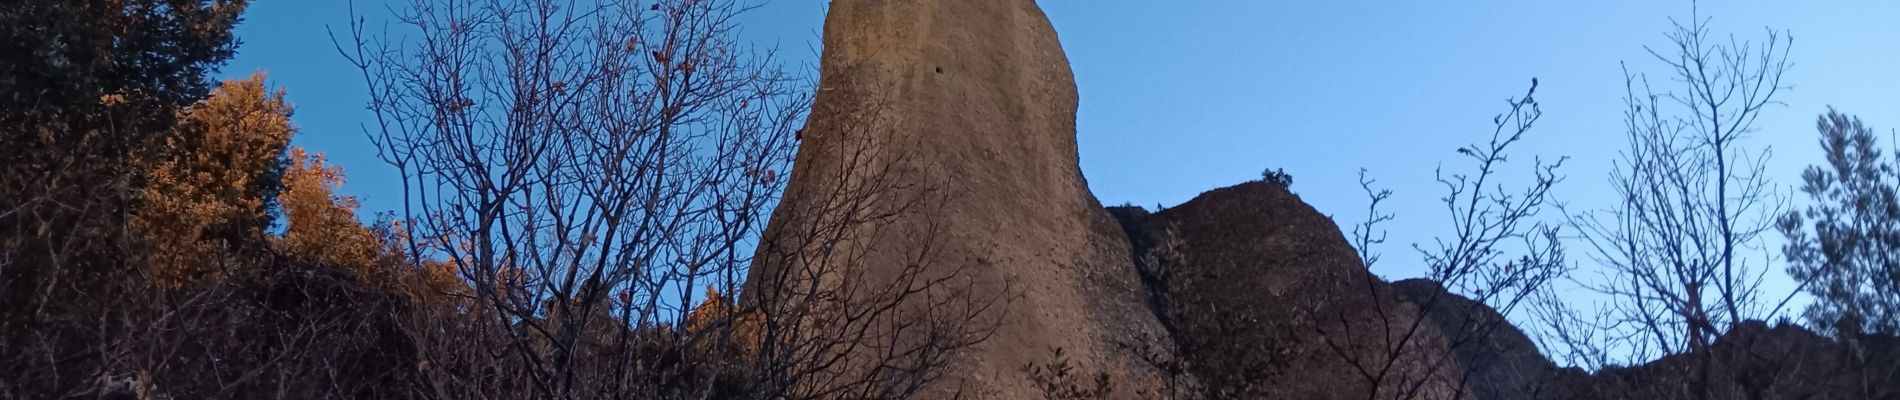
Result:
[[1266, 299], [937, 195], [941, 146]]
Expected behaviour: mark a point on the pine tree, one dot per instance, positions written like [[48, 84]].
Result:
[[208, 186], [1845, 246]]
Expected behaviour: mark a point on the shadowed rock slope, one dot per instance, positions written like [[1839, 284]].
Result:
[[1751, 361], [1499, 361], [1249, 276]]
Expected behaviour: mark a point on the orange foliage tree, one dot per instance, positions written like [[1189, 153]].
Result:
[[720, 315], [321, 226], [209, 185]]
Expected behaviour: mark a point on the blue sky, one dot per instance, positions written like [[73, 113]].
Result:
[[1183, 97]]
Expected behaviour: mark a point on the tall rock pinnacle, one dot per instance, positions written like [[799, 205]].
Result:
[[942, 146]]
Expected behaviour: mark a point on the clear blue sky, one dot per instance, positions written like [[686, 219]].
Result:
[[1182, 97]]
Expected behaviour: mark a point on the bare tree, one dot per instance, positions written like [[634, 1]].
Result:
[[1497, 254], [1676, 250], [587, 167]]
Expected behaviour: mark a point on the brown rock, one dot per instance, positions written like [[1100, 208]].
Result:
[[1753, 361], [1252, 276], [1500, 362], [956, 120]]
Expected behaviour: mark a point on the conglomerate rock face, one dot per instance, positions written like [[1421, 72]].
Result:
[[940, 160], [942, 145], [1499, 360], [1265, 298]]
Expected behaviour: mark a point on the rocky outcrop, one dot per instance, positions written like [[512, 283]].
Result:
[[1265, 298], [939, 174], [1753, 361], [941, 146], [1750, 361], [1499, 361]]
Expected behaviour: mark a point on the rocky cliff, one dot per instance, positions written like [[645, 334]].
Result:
[[937, 198], [1265, 298], [941, 148]]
